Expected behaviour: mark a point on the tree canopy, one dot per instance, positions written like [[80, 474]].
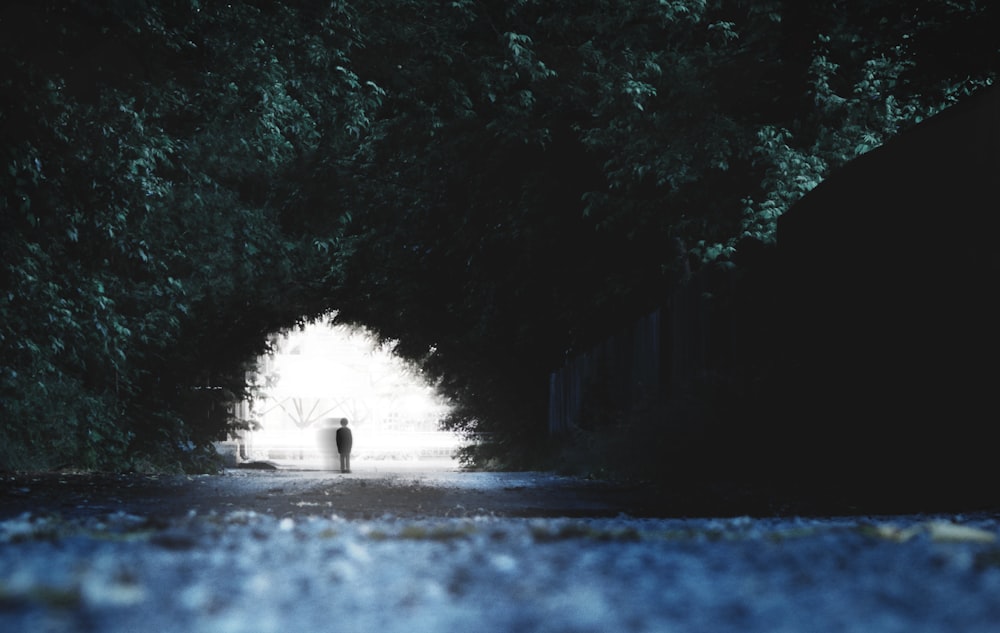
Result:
[[492, 184]]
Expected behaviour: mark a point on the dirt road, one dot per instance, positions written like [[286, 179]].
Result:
[[392, 490], [439, 551]]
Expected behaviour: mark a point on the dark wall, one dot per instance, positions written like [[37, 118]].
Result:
[[889, 283], [857, 358]]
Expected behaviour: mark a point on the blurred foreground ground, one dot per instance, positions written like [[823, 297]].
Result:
[[407, 547]]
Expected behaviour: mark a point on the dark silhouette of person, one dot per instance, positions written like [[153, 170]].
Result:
[[344, 442]]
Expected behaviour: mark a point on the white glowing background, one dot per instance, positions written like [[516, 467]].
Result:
[[324, 372]]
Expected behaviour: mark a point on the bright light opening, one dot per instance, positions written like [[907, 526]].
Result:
[[323, 373]]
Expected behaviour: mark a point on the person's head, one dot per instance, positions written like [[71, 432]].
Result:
[[343, 421]]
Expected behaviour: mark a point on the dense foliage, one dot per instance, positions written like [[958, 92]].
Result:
[[145, 249], [494, 184]]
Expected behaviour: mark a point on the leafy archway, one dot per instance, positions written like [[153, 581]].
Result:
[[495, 184]]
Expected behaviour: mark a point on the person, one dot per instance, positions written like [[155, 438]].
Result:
[[344, 442], [327, 440]]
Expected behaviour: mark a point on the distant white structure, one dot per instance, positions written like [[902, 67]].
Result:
[[324, 373]]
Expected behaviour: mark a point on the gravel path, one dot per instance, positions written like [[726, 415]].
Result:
[[253, 553]]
